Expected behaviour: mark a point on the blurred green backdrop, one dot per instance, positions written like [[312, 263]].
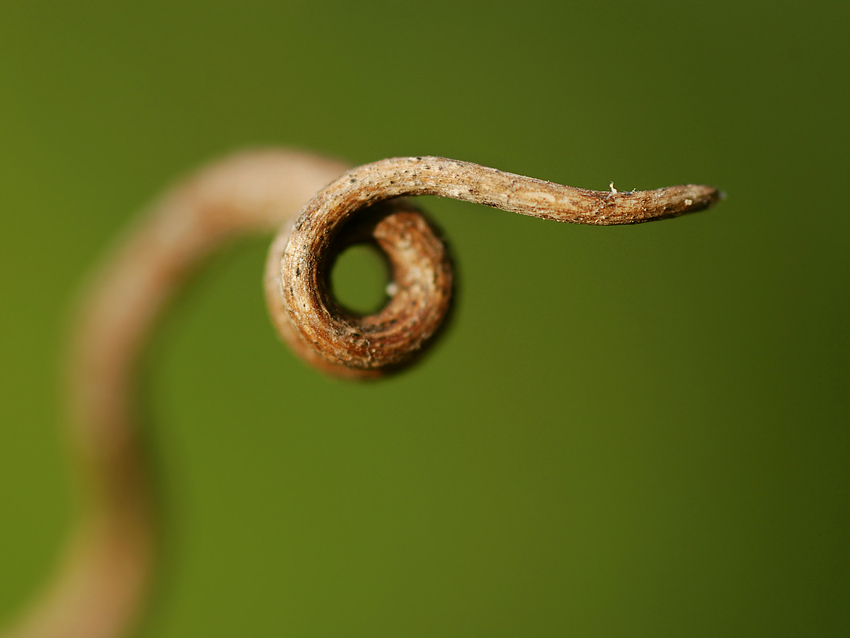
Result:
[[659, 449]]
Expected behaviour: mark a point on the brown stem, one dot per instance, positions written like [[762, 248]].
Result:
[[369, 346], [98, 590]]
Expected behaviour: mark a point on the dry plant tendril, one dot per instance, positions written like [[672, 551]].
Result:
[[100, 584], [420, 266]]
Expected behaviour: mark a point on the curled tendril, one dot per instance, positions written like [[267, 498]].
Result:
[[98, 590], [422, 276]]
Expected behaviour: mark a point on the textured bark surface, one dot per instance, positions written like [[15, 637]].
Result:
[[363, 346], [100, 586]]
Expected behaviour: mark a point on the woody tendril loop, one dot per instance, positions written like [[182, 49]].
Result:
[[100, 584], [421, 270]]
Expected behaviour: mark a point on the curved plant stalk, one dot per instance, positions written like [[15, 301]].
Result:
[[102, 581]]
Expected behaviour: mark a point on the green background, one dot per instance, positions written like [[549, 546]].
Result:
[[631, 431]]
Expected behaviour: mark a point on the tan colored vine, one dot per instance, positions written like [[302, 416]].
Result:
[[99, 588]]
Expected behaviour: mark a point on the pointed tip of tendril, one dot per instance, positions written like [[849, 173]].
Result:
[[695, 197], [707, 196], [643, 206]]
